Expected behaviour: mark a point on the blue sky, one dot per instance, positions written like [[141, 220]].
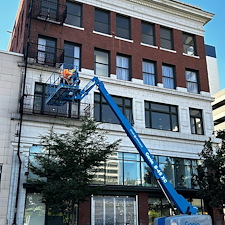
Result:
[[214, 30]]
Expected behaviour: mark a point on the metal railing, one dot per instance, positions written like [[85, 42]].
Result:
[[35, 104], [43, 54], [49, 11]]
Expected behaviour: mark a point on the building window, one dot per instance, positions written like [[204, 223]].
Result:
[[168, 77], [123, 26], [189, 44], [49, 9], [36, 212], [101, 63], [74, 14], [196, 121], [102, 23], [166, 38], [40, 107], [149, 74], [147, 33], [71, 56], [161, 116], [114, 210], [103, 112], [123, 67], [46, 50], [192, 81], [0, 172]]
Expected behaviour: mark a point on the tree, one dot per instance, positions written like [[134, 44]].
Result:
[[66, 167], [211, 173]]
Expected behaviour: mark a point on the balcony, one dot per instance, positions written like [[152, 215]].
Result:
[[35, 104], [45, 55], [49, 11]]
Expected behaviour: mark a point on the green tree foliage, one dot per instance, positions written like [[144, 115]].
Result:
[[66, 167], [211, 173]]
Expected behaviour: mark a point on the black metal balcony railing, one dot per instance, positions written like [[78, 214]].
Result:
[[48, 11], [43, 54], [36, 105]]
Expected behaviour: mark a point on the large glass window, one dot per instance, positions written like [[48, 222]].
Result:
[[196, 121], [104, 113], [149, 73], [129, 169], [123, 26], [192, 81], [166, 38], [74, 14], [114, 210], [161, 116], [189, 44], [46, 50], [168, 76], [147, 33], [123, 67], [102, 23], [71, 55], [101, 63]]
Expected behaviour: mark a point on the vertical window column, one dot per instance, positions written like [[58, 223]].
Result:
[[101, 63], [192, 81], [74, 14], [166, 38], [168, 77], [196, 121], [149, 74], [123, 29], [102, 21], [71, 56]]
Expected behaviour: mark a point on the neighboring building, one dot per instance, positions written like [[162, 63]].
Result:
[[212, 67], [219, 110], [151, 57]]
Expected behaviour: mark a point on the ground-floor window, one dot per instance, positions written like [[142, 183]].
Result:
[[114, 210], [36, 214]]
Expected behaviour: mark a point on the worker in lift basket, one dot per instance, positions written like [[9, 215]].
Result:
[[67, 74]]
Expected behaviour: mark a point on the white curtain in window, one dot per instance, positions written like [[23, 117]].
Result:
[[122, 71], [148, 73], [168, 77], [76, 53], [192, 82], [41, 50]]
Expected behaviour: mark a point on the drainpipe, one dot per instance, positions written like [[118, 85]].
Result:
[[21, 119]]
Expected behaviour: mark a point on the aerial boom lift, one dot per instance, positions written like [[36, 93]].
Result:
[[61, 93]]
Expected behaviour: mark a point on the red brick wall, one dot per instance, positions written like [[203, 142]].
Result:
[[138, 52]]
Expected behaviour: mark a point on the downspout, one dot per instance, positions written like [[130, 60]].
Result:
[[21, 118]]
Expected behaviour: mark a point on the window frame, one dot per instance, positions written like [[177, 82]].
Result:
[[78, 16], [167, 77], [145, 36], [43, 50], [194, 123], [150, 111], [169, 40], [102, 63], [123, 27], [186, 45], [100, 102], [107, 31], [149, 73], [195, 83], [74, 58], [120, 68]]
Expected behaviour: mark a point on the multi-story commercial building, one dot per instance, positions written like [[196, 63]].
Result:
[[151, 57]]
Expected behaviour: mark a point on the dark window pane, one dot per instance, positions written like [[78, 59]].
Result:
[[166, 38], [74, 14], [102, 21], [147, 33], [123, 27]]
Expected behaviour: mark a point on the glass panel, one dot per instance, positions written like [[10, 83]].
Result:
[[123, 27], [160, 107], [113, 171], [174, 122], [109, 210], [131, 156], [108, 115], [154, 209], [101, 21], [34, 210], [120, 210], [98, 211], [130, 211], [73, 14], [167, 166], [147, 33], [147, 177], [160, 121], [131, 173]]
